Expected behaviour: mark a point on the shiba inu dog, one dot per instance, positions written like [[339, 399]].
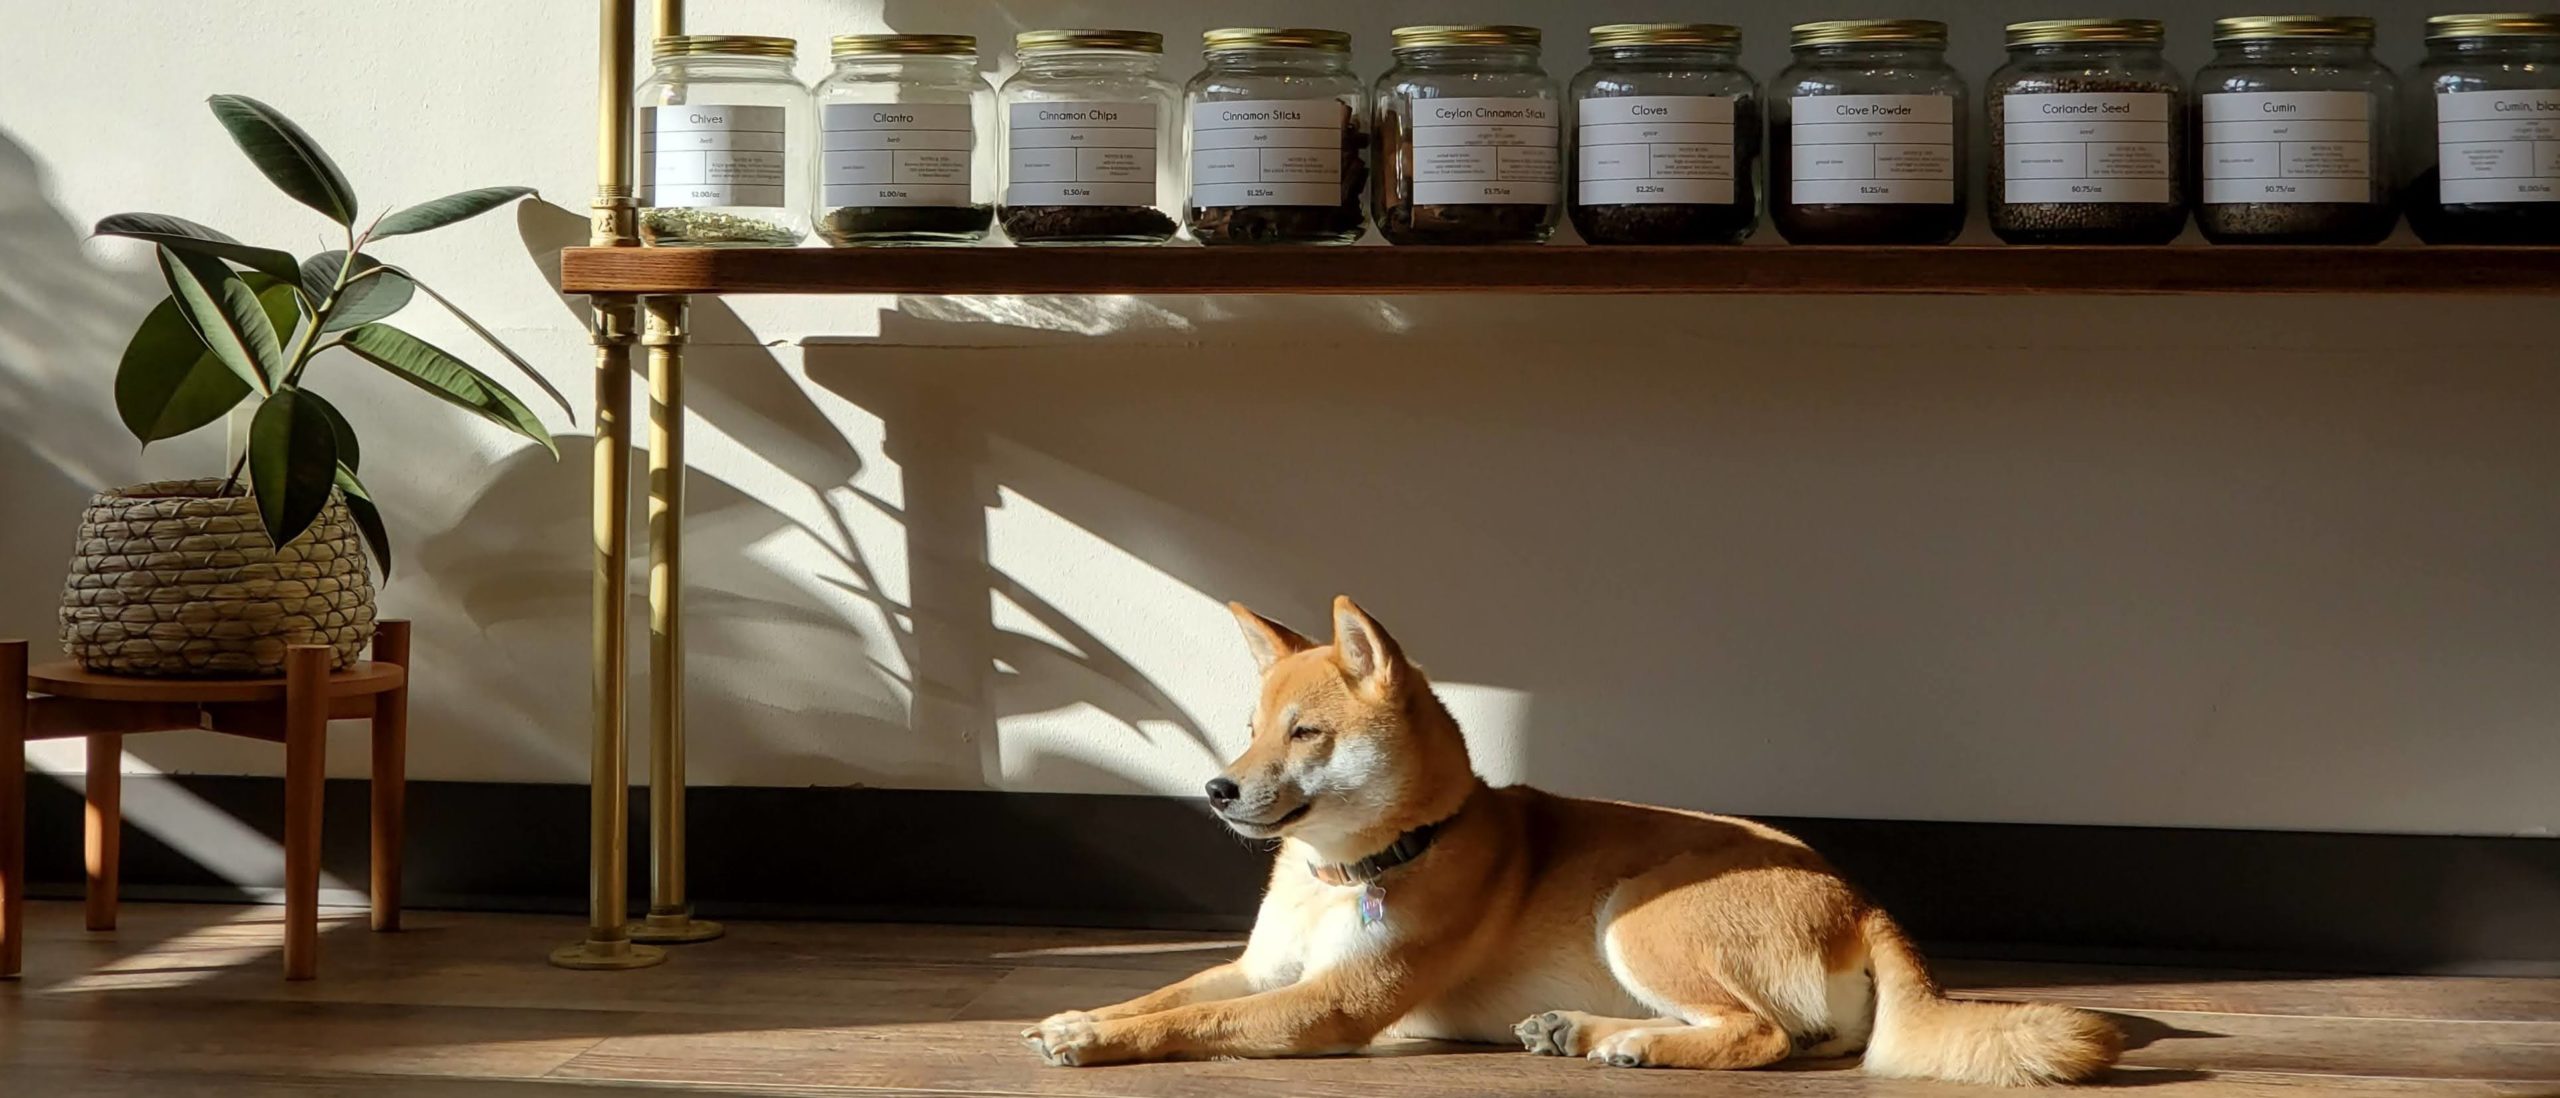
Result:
[[1412, 899]]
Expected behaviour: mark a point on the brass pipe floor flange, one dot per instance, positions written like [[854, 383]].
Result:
[[675, 928], [595, 956]]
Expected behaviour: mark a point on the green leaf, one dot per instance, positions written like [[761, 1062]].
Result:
[[293, 462], [428, 367], [447, 210], [350, 452], [487, 337], [226, 314], [187, 236], [360, 505], [360, 302], [170, 383], [289, 157]]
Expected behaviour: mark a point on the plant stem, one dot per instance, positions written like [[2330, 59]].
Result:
[[233, 481]]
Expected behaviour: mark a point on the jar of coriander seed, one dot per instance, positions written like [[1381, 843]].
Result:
[[2294, 132], [1090, 132], [2088, 135], [901, 122], [1666, 137], [724, 148], [2484, 131]]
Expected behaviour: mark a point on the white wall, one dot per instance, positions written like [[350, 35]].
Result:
[[2256, 563]]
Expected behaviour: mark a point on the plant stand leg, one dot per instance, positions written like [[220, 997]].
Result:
[[13, 807], [390, 775], [306, 741], [670, 918], [103, 832]]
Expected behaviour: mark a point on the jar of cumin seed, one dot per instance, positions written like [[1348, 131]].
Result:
[[2294, 130], [2088, 135], [2484, 131]]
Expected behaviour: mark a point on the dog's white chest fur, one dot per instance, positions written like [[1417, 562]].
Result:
[[1304, 929]]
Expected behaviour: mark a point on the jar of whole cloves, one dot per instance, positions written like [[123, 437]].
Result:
[[1666, 137], [1279, 151], [1467, 128]]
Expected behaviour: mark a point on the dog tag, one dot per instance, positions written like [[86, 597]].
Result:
[[1373, 905]]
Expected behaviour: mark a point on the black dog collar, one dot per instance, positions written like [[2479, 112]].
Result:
[[1407, 847]]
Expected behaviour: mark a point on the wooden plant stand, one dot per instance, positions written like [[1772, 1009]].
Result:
[[294, 710]]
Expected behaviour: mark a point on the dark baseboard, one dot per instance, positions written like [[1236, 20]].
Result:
[[2265, 899]]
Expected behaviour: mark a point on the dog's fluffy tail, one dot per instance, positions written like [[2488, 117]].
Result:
[[1923, 1035]]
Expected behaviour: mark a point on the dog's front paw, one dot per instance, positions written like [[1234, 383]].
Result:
[[1061, 1039]]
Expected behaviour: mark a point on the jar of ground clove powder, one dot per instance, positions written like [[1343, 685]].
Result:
[[899, 123], [2088, 135], [1666, 139], [1866, 135], [2294, 129], [1279, 149], [724, 152], [2484, 131], [1090, 128], [1467, 127]]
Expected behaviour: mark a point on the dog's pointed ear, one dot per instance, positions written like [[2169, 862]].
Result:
[[1269, 641], [1363, 648]]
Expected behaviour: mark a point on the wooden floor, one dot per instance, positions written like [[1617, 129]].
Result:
[[186, 1001]]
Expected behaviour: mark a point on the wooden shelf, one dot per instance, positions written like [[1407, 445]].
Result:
[[1564, 269]]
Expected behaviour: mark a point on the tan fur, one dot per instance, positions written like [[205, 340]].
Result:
[[1630, 935]]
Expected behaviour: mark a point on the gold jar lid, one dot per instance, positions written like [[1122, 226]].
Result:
[[1832, 32], [937, 45], [1041, 41], [1464, 34], [1300, 38], [2504, 24], [2324, 28], [721, 45], [1665, 34], [2047, 32]]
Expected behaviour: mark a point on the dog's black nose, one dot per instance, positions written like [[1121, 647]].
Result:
[[1223, 792]]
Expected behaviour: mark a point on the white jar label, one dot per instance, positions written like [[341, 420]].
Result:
[[1267, 152], [2287, 147], [1080, 154], [2498, 146], [1863, 149], [894, 154], [712, 154], [2086, 147], [1640, 149], [1480, 152]]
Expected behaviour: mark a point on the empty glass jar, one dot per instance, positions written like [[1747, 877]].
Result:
[[2088, 135], [2484, 131], [724, 148], [1090, 130], [2294, 133], [1279, 141], [900, 123], [1666, 146], [1866, 135], [1467, 127]]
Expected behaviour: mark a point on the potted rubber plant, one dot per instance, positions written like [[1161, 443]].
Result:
[[217, 576]]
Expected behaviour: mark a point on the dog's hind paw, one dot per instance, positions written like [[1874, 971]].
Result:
[[1061, 1039], [1548, 1034]]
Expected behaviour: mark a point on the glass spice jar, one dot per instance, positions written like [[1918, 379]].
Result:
[[1467, 126], [2088, 135], [1666, 146], [724, 157], [2484, 134], [899, 123], [1866, 135], [1279, 149], [1089, 139], [2294, 133]]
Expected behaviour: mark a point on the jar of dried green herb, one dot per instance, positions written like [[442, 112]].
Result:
[[2484, 131], [2294, 133], [1279, 154], [2088, 135], [724, 150], [1666, 145], [1467, 127], [1089, 138], [899, 123], [1866, 135]]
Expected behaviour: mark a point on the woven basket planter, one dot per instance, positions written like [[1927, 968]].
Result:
[[172, 581]]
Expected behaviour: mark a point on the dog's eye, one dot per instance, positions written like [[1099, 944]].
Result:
[[1303, 733]]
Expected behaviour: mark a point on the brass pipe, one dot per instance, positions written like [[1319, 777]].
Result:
[[612, 329], [670, 918], [670, 17]]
